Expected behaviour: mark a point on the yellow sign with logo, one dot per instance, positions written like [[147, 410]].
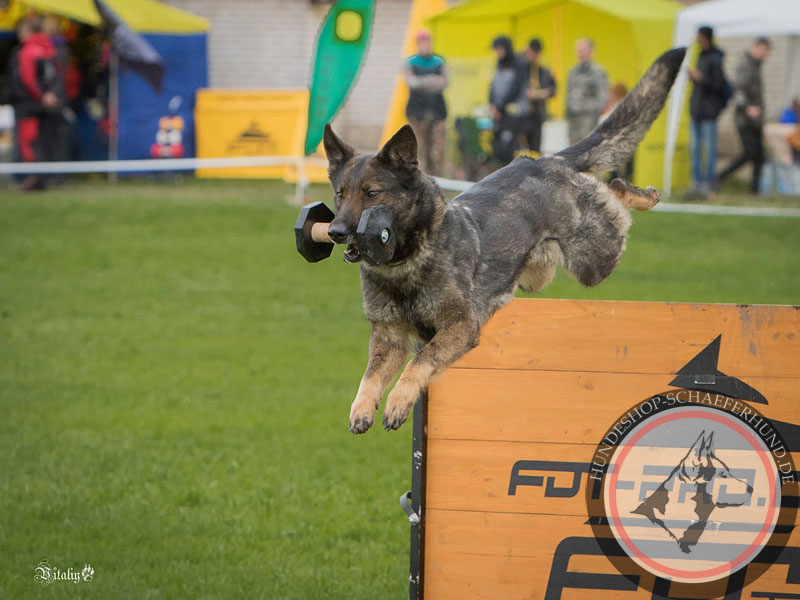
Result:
[[240, 123]]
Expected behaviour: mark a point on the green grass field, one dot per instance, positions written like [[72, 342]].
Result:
[[175, 383]]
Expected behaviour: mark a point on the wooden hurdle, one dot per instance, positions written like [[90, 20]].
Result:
[[504, 441]]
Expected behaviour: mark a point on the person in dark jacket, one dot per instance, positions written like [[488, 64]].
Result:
[[504, 96], [539, 87], [426, 76], [749, 111], [705, 105], [33, 84]]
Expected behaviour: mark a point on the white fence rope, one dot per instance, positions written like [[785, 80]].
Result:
[[455, 185], [155, 164]]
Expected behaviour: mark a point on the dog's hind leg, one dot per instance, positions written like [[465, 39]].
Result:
[[634, 197], [594, 246], [388, 349]]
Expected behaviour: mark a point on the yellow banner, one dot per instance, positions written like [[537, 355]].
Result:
[[231, 123]]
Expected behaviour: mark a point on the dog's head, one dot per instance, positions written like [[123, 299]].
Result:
[[701, 466], [391, 178]]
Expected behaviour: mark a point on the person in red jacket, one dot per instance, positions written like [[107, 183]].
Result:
[[33, 83]]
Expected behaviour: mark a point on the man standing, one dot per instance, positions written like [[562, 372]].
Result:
[[32, 83], [749, 111], [541, 87], [426, 76], [706, 103], [587, 90]]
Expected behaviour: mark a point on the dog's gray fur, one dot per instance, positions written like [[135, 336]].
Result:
[[457, 263]]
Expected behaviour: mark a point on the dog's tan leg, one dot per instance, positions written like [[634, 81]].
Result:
[[388, 349], [447, 346], [634, 197]]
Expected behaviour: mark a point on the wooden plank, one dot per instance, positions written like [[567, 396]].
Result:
[[476, 475], [558, 406], [489, 555], [638, 337], [467, 475]]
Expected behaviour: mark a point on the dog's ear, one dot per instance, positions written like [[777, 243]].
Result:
[[336, 150], [401, 150]]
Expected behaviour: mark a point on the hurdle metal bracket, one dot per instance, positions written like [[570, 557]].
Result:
[[418, 461]]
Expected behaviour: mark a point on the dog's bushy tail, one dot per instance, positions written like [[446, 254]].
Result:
[[612, 144]]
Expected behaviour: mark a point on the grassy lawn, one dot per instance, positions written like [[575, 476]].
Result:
[[175, 383]]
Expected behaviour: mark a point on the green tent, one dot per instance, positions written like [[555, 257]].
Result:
[[629, 35]]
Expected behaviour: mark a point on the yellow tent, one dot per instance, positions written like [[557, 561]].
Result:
[[629, 35], [145, 16]]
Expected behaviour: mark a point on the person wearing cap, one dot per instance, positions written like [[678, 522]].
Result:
[[587, 91], [426, 77], [505, 93], [705, 105], [540, 87], [749, 111]]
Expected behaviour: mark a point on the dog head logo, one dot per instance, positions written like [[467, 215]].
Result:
[[700, 476], [687, 486], [691, 493]]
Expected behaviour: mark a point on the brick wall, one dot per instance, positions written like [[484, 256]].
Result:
[[268, 44]]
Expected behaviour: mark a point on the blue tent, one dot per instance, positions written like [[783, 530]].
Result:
[[141, 108]]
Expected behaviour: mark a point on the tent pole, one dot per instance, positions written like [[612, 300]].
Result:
[[113, 110], [674, 113]]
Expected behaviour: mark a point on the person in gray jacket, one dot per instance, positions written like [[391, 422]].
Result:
[[587, 91], [749, 111]]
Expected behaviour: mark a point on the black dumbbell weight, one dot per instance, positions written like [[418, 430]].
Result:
[[375, 235], [311, 232]]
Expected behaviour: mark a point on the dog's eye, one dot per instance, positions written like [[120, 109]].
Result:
[[373, 193], [339, 194]]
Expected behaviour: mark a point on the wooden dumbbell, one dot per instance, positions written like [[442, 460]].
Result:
[[375, 234]]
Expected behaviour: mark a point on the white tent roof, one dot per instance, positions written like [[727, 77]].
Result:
[[729, 18]]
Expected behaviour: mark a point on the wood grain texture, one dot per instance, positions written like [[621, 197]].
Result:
[[561, 406], [475, 475], [513, 558], [637, 337], [546, 382]]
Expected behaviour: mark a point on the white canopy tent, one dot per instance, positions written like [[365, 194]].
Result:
[[729, 18]]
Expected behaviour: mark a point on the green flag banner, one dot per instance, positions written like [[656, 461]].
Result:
[[341, 46]]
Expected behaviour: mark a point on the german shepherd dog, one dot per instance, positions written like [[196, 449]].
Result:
[[702, 472], [456, 263]]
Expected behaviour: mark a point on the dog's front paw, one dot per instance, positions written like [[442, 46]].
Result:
[[362, 415], [360, 424], [398, 406]]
